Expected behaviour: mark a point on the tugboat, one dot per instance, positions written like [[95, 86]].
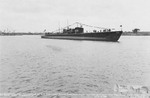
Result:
[[78, 33]]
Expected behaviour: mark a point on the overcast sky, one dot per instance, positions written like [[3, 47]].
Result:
[[37, 15]]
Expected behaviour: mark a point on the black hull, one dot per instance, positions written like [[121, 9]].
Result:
[[102, 36]]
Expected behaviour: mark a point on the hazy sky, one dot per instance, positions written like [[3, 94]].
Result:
[[37, 15]]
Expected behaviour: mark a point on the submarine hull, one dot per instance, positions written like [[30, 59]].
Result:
[[101, 36]]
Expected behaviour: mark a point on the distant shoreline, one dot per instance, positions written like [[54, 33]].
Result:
[[123, 34], [136, 34], [19, 34]]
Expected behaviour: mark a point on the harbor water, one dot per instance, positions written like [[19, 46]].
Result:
[[29, 64]]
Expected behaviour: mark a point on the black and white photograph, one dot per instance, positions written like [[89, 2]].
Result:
[[74, 48]]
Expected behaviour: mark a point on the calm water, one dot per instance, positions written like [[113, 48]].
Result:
[[29, 64]]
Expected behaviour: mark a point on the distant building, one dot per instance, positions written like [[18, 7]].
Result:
[[135, 30]]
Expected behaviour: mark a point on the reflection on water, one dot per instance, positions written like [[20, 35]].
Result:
[[29, 64]]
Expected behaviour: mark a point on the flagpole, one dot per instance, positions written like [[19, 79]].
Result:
[[121, 27]]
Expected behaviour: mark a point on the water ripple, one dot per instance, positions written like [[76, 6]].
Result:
[[85, 67]]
